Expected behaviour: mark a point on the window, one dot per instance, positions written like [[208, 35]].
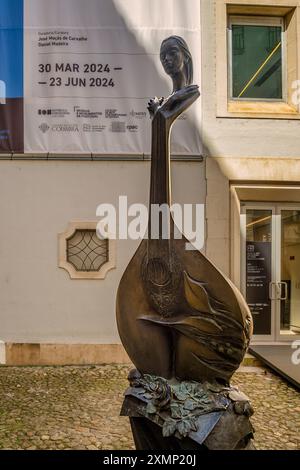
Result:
[[257, 59], [82, 254], [86, 252], [256, 46]]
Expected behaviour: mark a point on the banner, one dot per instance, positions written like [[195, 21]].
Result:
[[11, 76], [90, 68]]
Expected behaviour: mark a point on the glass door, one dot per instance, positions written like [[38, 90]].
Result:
[[258, 267], [270, 274], [288, 273]]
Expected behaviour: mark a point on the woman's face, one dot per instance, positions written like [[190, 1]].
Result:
[[171, 57]]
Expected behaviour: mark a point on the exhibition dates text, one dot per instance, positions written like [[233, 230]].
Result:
[[74, 68], [77, 81]]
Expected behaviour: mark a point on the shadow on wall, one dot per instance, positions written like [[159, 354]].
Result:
[[154, 81]]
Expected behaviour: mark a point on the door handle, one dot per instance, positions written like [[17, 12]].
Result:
[[280, 284]]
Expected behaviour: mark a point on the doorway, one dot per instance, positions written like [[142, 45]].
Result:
[[270, 269]]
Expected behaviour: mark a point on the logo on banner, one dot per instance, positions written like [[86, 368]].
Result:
[[113, 114], [138, 114], [44, 112], [93, 128], [44, 128], [132, 128], [86, 113], [54, 112], [118, 127], [65, 128]]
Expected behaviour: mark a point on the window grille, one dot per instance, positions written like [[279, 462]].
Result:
[[86, 252]]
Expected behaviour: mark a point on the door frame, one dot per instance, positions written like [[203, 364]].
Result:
[[276, 208], [260, 206], [279, 208]]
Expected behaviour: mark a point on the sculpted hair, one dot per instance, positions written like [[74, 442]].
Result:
[[188, 61]]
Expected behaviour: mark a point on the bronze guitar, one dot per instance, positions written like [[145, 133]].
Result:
[[178, 316]]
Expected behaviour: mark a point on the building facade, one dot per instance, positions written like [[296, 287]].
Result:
[[248, 179]]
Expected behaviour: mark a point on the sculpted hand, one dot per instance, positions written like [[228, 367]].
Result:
[[153, 105]]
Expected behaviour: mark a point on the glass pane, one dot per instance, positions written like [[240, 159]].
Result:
[[256, 62], [258, 268], [290, 271]]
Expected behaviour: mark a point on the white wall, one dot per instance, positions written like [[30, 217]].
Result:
[[38, 301]]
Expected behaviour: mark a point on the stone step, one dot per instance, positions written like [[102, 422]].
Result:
[[251, 361]]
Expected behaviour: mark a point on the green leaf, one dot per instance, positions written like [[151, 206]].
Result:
[[151, 408], [193, 424], [169, 427], [200, 393], [176, 411], [191, 388], [190, 405], [180, 395], [180, 391], [206, 401], [184, 427]]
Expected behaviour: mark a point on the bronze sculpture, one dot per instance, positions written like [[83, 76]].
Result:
[[179, 318]]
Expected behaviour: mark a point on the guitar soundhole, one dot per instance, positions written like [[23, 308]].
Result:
[[158, 272]]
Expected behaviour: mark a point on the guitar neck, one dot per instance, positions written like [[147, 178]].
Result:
[[160, 187]]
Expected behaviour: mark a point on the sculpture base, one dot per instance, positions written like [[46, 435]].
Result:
[[187, 415], [148, 436]]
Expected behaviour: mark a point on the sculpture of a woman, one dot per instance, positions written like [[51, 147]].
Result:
[[178, 316], [183, 323]]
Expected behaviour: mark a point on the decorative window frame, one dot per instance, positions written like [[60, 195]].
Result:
[[63, 262], [290, 11]]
